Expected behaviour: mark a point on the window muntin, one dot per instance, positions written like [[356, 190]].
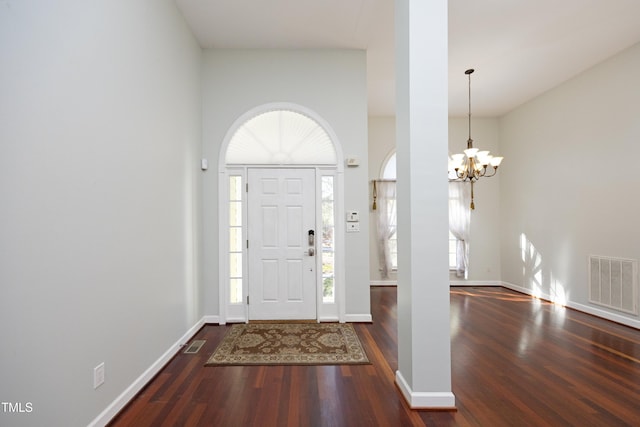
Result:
[[389, 172], [235, 239], [453, 257]]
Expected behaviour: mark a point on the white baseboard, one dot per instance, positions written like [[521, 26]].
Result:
[[517, 288], [604, 314], [355, 318], [124, 398], [211, 319], [594, 311], [475, 283], [383, 283], [425, 400]]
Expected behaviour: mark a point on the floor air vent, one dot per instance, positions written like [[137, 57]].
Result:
[[613, 283], [195, 346]]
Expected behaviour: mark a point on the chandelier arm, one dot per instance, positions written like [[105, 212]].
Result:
[[495, 170]]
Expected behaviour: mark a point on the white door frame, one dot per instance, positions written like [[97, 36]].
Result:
[[238, 312]]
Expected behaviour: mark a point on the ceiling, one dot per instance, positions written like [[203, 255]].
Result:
[[519, 48]]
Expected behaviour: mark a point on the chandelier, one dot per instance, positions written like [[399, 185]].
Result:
[[473, 164]]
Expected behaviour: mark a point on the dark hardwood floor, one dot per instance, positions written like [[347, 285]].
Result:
[[516, 361]]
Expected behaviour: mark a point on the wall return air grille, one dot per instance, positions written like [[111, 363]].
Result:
[[613, 283]]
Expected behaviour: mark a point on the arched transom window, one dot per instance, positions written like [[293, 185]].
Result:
[[281, 137]]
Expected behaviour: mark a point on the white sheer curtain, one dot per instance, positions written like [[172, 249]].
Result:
[[459, 220], [387, 220]]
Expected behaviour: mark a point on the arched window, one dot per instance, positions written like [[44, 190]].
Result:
[[281, 137], [389, 167], [389, 172], [387, 217]]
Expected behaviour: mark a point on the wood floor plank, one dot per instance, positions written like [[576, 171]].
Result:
[[516, 361]]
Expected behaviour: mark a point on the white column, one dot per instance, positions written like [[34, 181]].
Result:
[[424, 342]]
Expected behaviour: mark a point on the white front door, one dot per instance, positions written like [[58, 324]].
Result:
[[282, 259]]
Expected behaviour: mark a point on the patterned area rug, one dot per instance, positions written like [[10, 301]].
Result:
[[290, 344]]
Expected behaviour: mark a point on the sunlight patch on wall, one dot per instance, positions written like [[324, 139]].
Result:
[[531, 266], [541, 286], [557, 292]]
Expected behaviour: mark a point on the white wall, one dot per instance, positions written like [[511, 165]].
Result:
[[99, 215], [332, 83], [570, 180]]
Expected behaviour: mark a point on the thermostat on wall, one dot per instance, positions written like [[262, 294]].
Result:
[[353, 162]]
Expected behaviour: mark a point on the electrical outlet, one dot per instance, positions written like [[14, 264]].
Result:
[[98, 375]]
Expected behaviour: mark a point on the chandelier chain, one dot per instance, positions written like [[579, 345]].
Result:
[[469, 75]]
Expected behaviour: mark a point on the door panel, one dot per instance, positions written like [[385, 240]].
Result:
[[282, 278]]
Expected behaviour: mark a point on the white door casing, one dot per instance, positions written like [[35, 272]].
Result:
[[239, 153], [282, 258]]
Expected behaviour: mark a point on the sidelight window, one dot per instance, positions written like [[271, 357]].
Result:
[[328, 240], [235, 239]]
